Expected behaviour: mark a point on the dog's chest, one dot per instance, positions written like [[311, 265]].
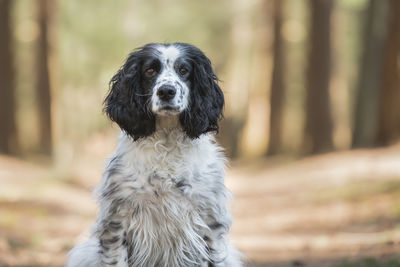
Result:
[[167, 166], [167, 191]]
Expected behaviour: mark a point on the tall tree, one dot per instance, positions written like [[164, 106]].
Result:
[[389, 94], [43, 90], [369, 79], [8, 134], [318, 128], [277, 84], [236, 112]]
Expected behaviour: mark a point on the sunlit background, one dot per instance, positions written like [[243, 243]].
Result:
[[312, 121]]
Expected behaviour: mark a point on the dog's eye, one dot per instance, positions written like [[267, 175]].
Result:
[[183, 71], [150, 72]]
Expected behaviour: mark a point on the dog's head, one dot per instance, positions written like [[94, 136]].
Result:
[[165, 80]]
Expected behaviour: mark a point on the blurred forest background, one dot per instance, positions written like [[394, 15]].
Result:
[[312, 120]]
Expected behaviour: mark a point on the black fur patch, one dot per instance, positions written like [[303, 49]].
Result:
[[206, 97], [114, 226], [215, 225], [127, 101]]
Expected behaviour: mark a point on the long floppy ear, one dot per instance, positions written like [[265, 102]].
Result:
[[206, 98], [126, 102]]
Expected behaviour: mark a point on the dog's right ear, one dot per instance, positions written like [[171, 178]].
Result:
[[206, 97], [126, 102]]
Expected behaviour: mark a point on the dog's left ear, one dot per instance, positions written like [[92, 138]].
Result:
[[126, 102], [206, 98]]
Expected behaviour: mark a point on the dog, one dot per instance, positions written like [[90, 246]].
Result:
[[162, 197]]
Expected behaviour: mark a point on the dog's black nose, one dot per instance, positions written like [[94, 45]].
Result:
[[166, 92]]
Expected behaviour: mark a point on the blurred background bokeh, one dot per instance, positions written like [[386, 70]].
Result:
[[312, 121]]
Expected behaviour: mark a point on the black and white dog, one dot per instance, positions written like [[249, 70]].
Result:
[[162, 198]]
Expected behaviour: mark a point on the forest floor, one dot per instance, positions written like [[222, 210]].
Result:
[[338, 209]]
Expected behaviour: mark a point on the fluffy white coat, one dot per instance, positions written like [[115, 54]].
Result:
[[163, 202]]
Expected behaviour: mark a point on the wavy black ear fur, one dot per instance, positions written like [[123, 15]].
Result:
[[125, 103], [206, 97]]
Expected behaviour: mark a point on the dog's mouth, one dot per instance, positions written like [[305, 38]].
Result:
[[168, 109]]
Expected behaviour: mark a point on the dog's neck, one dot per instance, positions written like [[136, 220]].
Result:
[[168, 128], [169, 133], [169, 140], [167, 123]]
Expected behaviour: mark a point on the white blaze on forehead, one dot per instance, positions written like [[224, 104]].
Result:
[[168, 54], [168, 76]]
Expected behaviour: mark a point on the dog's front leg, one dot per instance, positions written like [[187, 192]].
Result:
[[112, 236], [217, 244], [221, 252]]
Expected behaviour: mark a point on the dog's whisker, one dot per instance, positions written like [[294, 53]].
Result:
[[137, 94]]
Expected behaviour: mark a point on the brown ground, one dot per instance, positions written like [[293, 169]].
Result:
[[315, 211]]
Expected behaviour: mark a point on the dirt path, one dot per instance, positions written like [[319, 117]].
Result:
[[320, 210], [311, 212]]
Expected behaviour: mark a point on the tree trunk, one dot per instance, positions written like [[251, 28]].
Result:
[[235, 96], [277, 85], [366, 113], [318, 128], [43, 91], [389, 94], [8, 134]]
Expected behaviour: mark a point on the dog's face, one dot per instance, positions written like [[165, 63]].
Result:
[[165, 80]]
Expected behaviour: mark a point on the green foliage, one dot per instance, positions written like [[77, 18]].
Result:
[[355, 4], [95, 36], [91, 40]]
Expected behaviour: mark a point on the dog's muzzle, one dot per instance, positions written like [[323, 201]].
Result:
[[166, 93]]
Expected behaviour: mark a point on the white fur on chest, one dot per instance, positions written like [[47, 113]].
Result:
[[168, 158], [166, 186]]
